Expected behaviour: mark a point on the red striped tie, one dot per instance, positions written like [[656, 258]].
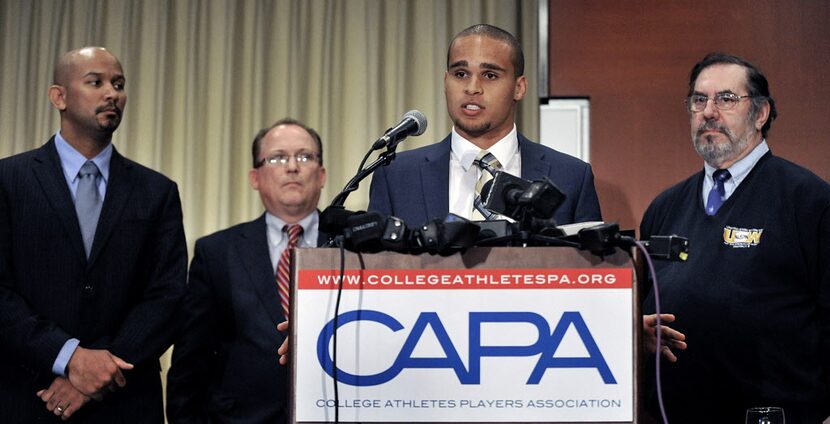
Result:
[[284, 266]]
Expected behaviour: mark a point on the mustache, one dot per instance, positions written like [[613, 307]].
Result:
[[109, 107], [712, 125]]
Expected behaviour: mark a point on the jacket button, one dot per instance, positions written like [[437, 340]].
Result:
[[88, 289]]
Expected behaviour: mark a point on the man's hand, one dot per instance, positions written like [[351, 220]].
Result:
[[283, 350], [62, 398], [669, 337], [93, 371]]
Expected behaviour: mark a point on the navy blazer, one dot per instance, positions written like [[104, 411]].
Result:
[[225, 363], [415, 186], [123, 298]]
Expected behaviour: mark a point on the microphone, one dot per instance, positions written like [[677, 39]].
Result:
[[413, 123]]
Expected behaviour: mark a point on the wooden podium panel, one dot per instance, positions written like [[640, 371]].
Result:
[[537, 334]]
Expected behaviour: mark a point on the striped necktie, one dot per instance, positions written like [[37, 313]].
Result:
[[284, 265], [489, 165]]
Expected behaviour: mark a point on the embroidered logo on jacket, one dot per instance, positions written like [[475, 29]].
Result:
[[741, 237]]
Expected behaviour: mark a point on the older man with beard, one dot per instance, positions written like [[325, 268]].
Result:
[[753, 300]]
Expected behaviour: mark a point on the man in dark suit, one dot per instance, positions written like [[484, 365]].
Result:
[[92, 262], [225, 364], [483, 83]]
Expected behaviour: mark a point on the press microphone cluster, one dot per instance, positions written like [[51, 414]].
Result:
[[529, 205], [333, 220], [413, 123]]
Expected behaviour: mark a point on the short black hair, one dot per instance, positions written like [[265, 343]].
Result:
[[256, 147], [517, 56], [756, 83]]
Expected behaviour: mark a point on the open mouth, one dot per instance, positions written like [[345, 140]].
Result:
[[472, 109]]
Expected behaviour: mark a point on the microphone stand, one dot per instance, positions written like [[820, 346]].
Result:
[[383, 159], [333, 218], [333, 221]]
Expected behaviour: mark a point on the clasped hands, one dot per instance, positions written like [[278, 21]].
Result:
[[91, 374]]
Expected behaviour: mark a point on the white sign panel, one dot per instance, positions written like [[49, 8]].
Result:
[[564, 125], [475, 345]]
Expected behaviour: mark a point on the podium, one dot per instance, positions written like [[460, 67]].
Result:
[[502, 334]]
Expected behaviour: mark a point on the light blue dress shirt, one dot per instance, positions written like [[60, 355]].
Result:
[[739, 170], [71, 162]]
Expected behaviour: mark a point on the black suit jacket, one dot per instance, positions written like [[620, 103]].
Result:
[[415, 186], [123, 298], [225, 363]]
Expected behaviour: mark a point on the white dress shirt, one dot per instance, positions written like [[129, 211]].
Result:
[[464, 175]]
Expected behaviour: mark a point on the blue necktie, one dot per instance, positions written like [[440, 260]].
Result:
[[88, 203], [717, 193]]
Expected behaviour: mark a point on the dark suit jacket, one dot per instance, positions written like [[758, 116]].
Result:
[[123, 298], [225, 363], [415, 186]]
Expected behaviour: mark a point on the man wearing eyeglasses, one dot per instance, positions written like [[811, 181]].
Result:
[[225, 364], [753, 299]]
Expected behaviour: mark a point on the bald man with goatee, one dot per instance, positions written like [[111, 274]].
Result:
[[92, 262]]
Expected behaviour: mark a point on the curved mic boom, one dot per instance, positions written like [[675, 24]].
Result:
[[413, 123]]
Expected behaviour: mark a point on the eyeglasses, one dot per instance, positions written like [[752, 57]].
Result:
[[282, 159], [722, 101]]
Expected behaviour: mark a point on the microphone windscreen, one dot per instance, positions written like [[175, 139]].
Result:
[[419, 118]]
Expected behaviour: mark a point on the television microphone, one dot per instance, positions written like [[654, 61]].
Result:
[[413, 123]]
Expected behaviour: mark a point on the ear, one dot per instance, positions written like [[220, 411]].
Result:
[[762, 116], [321, 174], [520, 88], [253, 178], [57, 96]]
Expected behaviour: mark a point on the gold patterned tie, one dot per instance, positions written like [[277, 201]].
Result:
[[489, 165]]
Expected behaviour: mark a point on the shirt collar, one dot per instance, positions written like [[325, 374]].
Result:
[[309, 224], [740, 169], [72, 160], [465, 152]]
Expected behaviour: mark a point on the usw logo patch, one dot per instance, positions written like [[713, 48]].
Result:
[[742, 237]]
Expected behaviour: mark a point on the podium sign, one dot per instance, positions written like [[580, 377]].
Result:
[[494, 335]]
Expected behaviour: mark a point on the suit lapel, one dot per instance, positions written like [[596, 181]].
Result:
[[119, 187], [252, 250], [435, 174], [49, 174], [534, 166]]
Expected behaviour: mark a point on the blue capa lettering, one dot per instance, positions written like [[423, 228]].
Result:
[[546, 346]]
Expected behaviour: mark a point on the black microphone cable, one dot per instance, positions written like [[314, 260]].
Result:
[[341, 246]]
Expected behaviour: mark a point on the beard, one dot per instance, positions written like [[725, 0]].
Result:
[[715, 153], [473, 131], [109, 123]]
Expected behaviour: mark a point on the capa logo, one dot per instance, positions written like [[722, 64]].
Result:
[[546, 345]]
